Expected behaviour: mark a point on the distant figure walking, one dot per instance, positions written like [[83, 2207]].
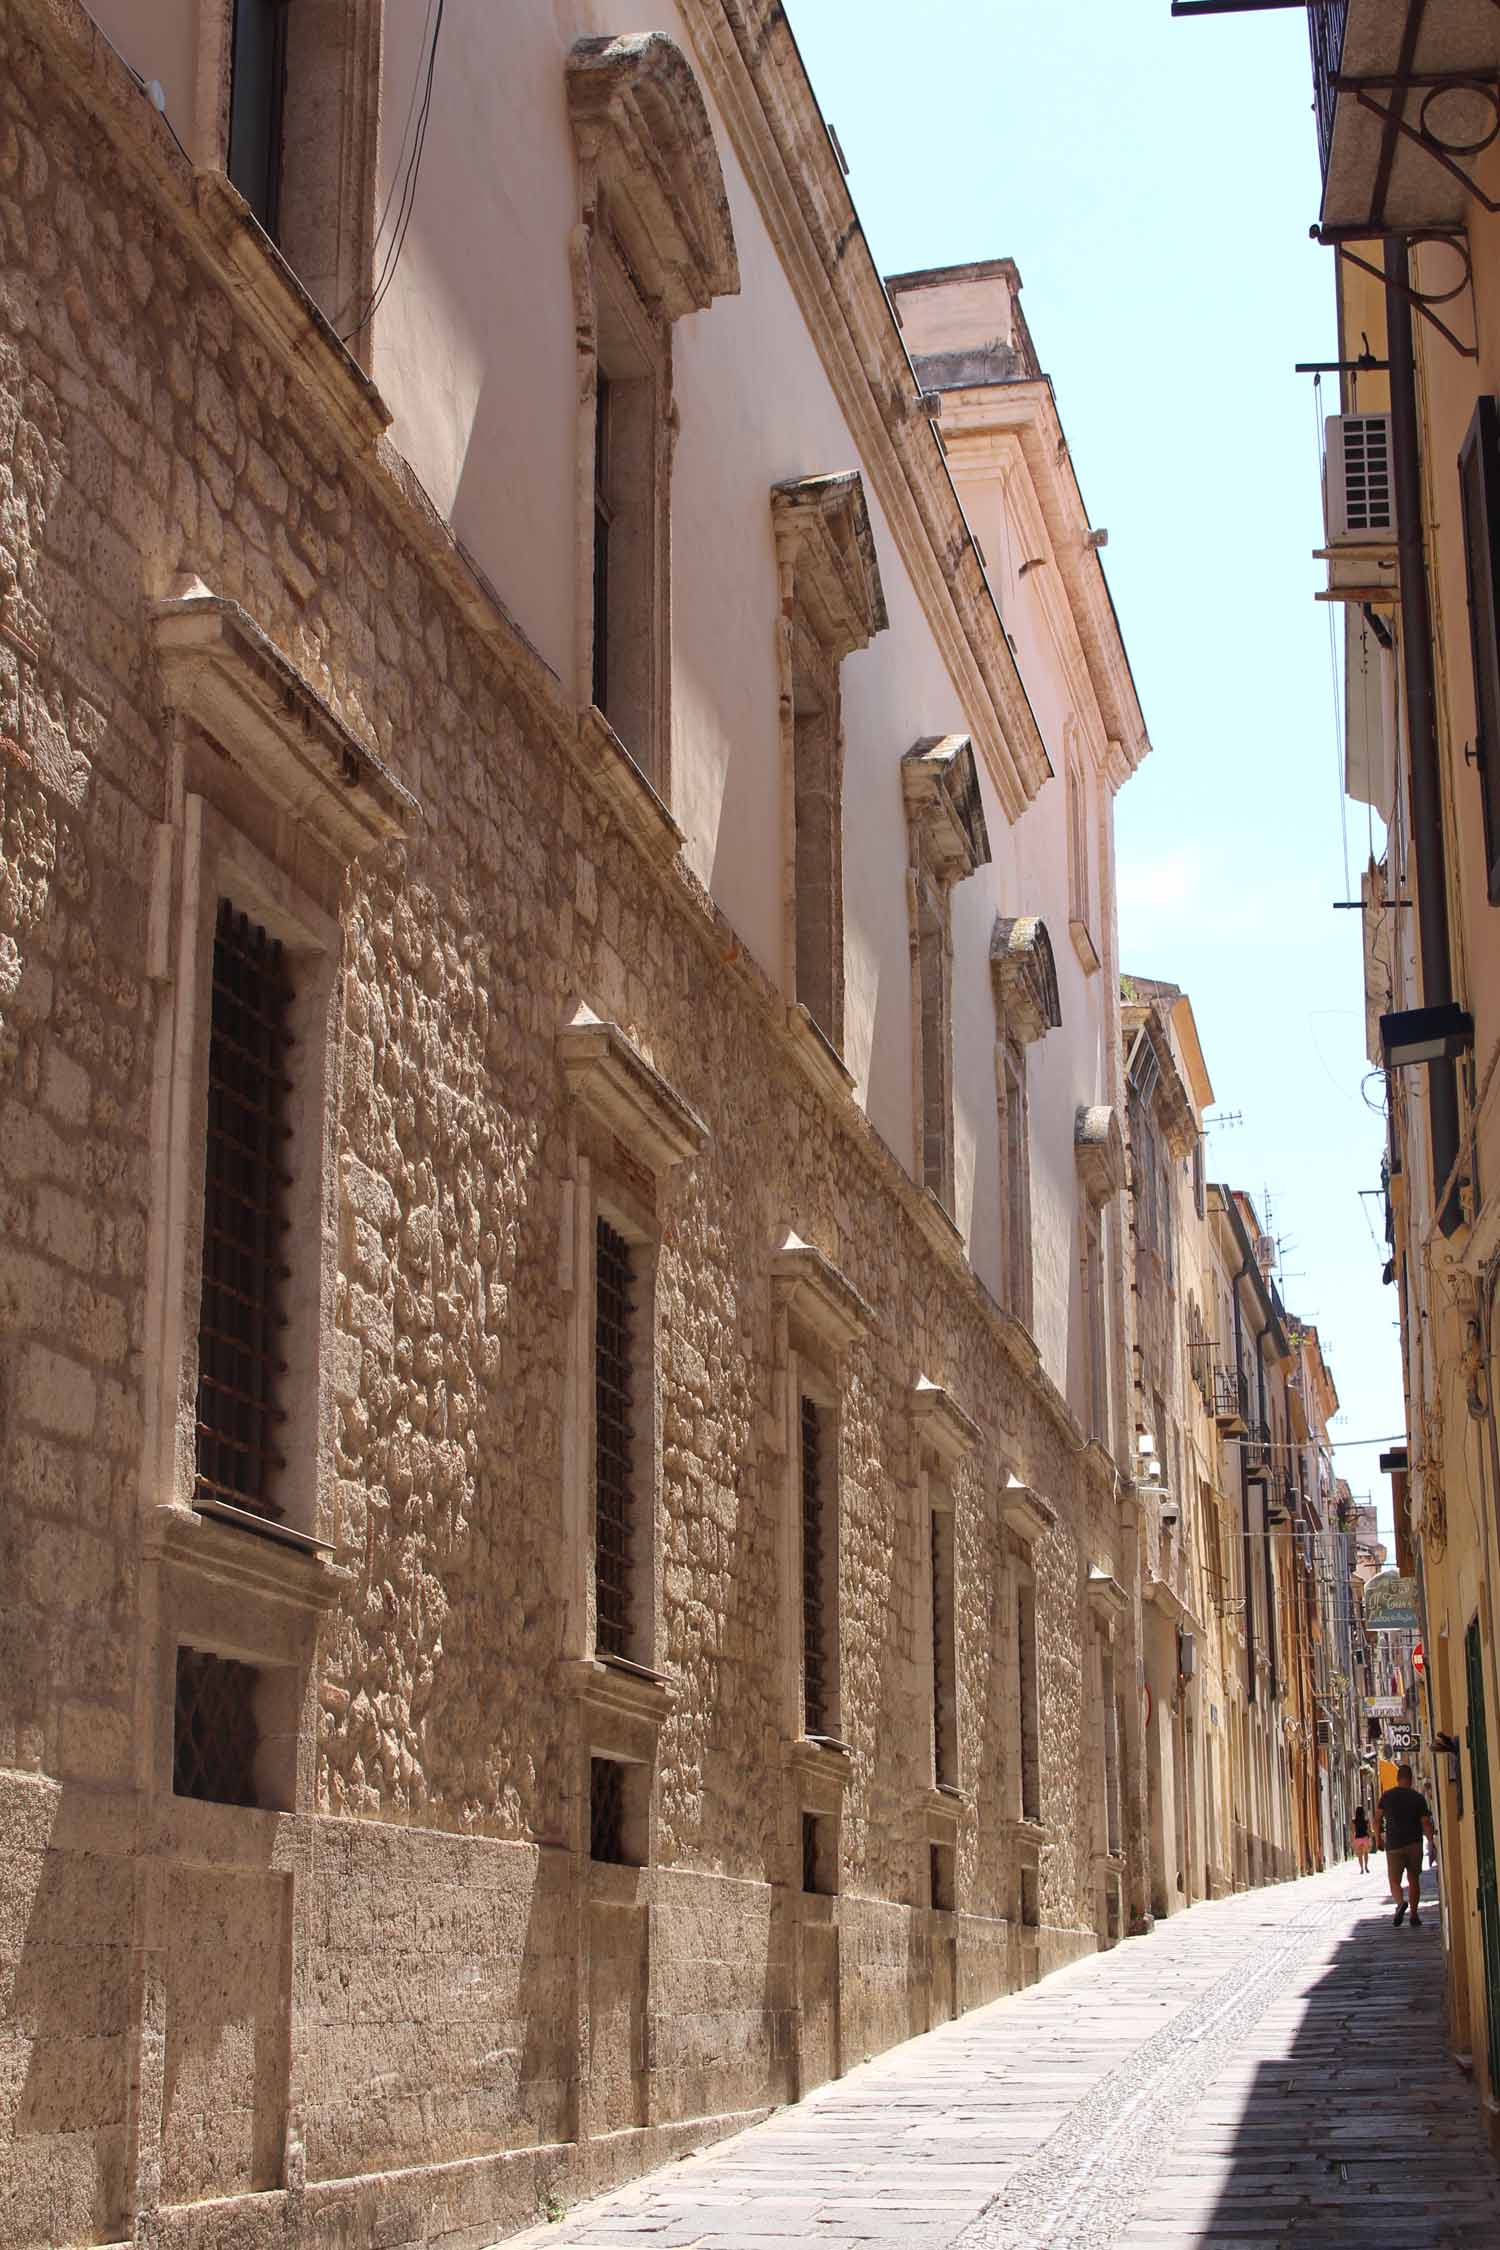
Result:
[[1402, 1817], [1362, 1839]]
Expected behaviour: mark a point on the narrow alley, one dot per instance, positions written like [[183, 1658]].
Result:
[[1269, 2069]]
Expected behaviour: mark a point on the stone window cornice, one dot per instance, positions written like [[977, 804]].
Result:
[[642, 128], [944, 809], [1025, 974], [810, 1289], [220, 669], [1025, 1512], [611, 1079], [824, 540], [1099, 1151], [941, 1424]]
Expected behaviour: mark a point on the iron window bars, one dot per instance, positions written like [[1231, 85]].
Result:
[[607, 1811], [614, 1494], [240, 1320], [214, 1735], [815, 1666], [944, 1700]]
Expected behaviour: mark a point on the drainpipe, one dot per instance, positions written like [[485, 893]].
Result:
[[1421, 716]]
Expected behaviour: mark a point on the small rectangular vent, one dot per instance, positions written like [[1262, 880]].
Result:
[[1360, 495]]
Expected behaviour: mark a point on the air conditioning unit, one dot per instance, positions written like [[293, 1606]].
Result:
[[1265, 1252], [1359, 492]]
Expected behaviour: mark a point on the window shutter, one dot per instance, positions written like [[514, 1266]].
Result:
[[1479, 484]]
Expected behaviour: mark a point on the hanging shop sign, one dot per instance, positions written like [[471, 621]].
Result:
[[1402, 1739], [1385, 1706], [1391, 1604]]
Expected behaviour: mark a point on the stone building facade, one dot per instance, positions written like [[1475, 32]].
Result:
[[564, 1409], [1416, 218]]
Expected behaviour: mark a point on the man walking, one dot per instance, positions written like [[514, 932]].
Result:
[[1402, 1818]]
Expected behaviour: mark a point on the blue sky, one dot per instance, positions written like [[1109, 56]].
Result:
[[1155, 180]]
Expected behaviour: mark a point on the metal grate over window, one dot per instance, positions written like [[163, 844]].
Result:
[[944, 1700], [614, 1495], [214, 1736], [607, 1811], [815, 1666], [240, 1321]]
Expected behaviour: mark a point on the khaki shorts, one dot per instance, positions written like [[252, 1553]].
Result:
[[1404, 1859]]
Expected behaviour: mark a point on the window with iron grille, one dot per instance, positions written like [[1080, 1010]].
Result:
[[944, 1654], [817, 1638], [819, 1854], [1030, 1713], [607, 1811], [241, 1324], [215, 1738], [614, 1464]]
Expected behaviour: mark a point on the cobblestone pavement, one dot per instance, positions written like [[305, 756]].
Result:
[[1264, 2071]]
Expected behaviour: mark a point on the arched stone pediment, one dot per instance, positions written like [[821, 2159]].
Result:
[[823, 536], [1025, 974], [639, 117], [1099, 1149]]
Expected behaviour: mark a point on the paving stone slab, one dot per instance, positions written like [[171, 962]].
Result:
[[1226, 2082]]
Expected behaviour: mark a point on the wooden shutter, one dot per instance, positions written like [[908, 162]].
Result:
[[1479, 484]]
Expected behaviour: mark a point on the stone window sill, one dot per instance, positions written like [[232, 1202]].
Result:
[[625, 788], [292, 1568], [618, 1689], [819, 1058]]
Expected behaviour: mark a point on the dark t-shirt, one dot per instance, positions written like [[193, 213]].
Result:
[[1361, 1823], [1404, 1811]]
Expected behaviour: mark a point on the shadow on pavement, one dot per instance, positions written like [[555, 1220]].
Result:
[[1347, 2121]]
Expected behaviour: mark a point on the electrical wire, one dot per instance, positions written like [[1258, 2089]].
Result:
[[406, 201]]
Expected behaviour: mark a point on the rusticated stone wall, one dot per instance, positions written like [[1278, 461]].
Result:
[[416, 1965]]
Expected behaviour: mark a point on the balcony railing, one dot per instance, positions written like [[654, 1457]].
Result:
[[1255, 1450], [1325, 26], [1231, 1399]]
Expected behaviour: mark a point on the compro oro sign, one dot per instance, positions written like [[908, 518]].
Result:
[[1391, 1604]]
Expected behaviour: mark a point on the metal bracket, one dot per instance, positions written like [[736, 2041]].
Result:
[[1421, 135], [1421, 301]]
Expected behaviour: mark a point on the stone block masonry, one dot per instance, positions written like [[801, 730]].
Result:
[[395, 1999]]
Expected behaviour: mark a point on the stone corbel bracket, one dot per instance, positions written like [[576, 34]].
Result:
[[610, 1078], [1025, 976], [809, 1288], [1025, 1513], [1099, 1152], [944, 809], [1107, 1597], [824, 540], [641, 122], [222, 671], [941, 1424]]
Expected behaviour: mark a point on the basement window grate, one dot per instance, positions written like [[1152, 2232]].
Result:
[[607, 1811], [613, 1447], [815, 1667], [214, 1737], [240, 1320]]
